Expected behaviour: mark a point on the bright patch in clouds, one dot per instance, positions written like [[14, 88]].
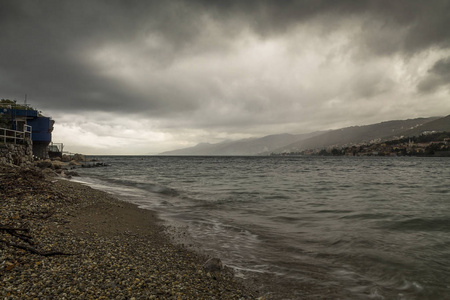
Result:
[[100, 136]]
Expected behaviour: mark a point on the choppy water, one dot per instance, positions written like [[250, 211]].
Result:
[[356, 228]]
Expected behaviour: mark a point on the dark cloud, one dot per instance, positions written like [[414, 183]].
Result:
[[387, 26], [438, 76], [42, 41], [441, 67]]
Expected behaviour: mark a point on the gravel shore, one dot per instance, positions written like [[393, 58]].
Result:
[[64, 240]]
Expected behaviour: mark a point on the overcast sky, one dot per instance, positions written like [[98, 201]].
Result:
[[142, 77]]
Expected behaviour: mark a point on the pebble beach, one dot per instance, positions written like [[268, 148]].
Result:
[[63, 240]]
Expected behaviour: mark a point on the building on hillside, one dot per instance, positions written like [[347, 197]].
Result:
[[21, 118]]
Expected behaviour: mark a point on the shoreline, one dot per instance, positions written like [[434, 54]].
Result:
[[67, 240], [264, 284]]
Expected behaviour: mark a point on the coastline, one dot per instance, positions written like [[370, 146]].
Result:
[[62, 239]]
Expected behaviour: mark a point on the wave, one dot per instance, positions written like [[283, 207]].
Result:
[[146, 186], [381, 224], [366, 216], [422, 224]]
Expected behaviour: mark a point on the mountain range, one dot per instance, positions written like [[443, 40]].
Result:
[[285, 142]]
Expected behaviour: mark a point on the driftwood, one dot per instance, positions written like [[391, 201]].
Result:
[[34, 250], [47, 215], [23, 237], [14, 232], [8, 228]]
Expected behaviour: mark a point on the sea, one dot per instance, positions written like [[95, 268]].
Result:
[[303, 227]]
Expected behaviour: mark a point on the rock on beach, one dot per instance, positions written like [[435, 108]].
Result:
[[64, 240]]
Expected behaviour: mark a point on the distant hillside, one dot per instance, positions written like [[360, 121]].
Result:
[[441, 124], [200, 149], [280, 143], [357, 134], [243, 147]]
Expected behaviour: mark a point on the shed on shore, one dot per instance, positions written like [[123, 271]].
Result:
[[22, 118]]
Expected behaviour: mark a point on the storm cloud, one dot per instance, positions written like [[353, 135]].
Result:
[[439, 76], [165, 74]]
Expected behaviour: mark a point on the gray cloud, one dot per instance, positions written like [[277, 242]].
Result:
[[387, 26], [439, 76]]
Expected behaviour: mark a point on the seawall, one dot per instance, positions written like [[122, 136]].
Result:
[[17, 154]]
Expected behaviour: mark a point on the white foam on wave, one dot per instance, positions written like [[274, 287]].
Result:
[[129, 194]]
